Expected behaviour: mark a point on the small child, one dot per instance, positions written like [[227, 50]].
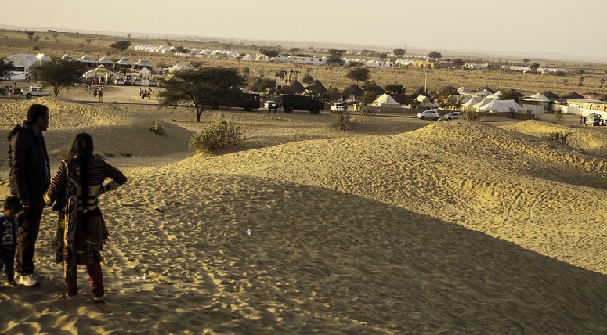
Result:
[[10, 221]]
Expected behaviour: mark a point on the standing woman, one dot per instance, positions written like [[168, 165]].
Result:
[[77, 185]]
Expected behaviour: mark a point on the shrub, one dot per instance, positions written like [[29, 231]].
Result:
[[216, 134], [471, 116], [365, 114], [341, 120], [558, 117], [157, 128], [556, 136]]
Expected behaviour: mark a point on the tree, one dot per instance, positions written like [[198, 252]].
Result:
[[6, 68], [336, 52], [359, 74], [395, 89], [202, 87], [270, 53], [511, 94], [120, 45], [30, 35], [334, 60], [525, 60], [371, 86], [435, 55], [458, 63], [398, 52], [262, 85], [58, 73]]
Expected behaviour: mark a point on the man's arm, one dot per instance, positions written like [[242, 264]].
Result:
[[21, 152]]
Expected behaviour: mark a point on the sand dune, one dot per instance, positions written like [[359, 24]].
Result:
[[397, 227]]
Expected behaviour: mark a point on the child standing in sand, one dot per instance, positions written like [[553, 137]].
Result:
[[10, 221]]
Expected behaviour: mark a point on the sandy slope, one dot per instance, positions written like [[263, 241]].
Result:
[[397, 227]]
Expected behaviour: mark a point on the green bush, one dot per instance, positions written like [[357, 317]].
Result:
[[216, 134], [157, 128]]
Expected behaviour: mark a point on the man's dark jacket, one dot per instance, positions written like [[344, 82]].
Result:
[[28, 168]]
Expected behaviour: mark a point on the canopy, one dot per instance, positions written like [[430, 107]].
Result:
[[502, 106], [385, 100], [105, 60]]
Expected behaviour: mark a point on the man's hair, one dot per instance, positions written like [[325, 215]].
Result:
[[12, 202], [35, 112]]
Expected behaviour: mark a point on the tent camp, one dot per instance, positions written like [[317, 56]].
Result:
[[385, 100], [501, 106]]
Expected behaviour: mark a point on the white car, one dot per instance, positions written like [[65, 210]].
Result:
[[338, 107], [431, 114], [452, 116], [271, 105], [35, 91]]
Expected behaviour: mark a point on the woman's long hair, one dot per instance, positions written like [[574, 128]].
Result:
[[82, 151]]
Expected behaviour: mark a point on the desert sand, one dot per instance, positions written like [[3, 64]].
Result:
[[397, 226]]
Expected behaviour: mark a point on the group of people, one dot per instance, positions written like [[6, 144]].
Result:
[[98, 91], [148, 92], [73, 192]]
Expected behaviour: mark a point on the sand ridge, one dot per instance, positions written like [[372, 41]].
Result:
[[397, 227]]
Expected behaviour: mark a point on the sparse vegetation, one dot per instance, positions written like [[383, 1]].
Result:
[[556, 136], [216, 134], [157, 128], [471, 116], [558, 117], [341, 120]]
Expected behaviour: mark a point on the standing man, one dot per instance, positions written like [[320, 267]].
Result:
[[29, 181]]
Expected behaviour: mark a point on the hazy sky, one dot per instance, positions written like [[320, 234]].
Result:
[[527, 27]]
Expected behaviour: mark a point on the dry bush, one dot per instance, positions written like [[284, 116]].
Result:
[[216, 134]]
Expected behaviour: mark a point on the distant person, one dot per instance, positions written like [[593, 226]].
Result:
[[29, 180], [81, 229], [101, 94], [10, 220], [95, 94]]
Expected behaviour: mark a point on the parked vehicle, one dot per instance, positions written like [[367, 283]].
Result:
[[248, 101], [35, 91], [593, 120], [291, 102], [119, 81], [338, 107], [452, 116], [431, 114], [271, 105]]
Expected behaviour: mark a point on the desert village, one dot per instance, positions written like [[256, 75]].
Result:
[[104, 70], [396, 225]]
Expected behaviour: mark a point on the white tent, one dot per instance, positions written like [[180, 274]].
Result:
[[484, 93], [539, 97], [86, 59], [495, 95], [463, 91], [502, 106], [124, 61], [106, 61], [385, 100], [471, 102], [424, 102]]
